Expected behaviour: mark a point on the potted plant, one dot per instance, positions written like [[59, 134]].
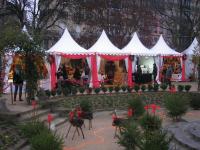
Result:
[[123, 88], [180, 88], [150, 87], [143, 88], [163, 86], [187, 88], [136, 88], [117, 88], [155, 87], [81, 90], [74, 90], [104, 89], [97, 90], [110, 89], [65, 91]]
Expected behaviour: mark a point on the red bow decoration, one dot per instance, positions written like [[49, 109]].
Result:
[[49, 118], [147, 107], [130, 112], [154, 107], [34, 104]]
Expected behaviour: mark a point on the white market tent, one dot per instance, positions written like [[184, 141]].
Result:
[[67, 46], [190, 50], [135, 47], [190, 68], [104, 46], [161, 48]]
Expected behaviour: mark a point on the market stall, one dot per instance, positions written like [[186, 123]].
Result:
[[65, 48], [190, 68], [107, 61], [142, 56], [166, 57]]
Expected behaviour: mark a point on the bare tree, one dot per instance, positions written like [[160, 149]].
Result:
[[180, 18]]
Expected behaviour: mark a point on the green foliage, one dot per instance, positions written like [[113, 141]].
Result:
[[150, 87], [46, 140], [40, 136], [110, 89], [97, 90], [136, 88], [187, 88], [180, 88], [48, 93], [176, 104], [195, 101], [163, 86], [53, 92], [81, 90], [31, 129], [143, 88], [74, 90], [137, 105], [130, 136], [117, 88], [123, 88], [86, 105], [104, 89], [156, 140], [150, 122], [65, 91], [155, 87]]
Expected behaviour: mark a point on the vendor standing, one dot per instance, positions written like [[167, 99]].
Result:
[[18, 82], [154, 72]]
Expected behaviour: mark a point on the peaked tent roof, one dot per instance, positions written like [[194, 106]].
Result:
[[67, 45], [161, 48], [105, 47], [135, 47], [190, 50]]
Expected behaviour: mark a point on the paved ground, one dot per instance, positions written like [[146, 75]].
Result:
[[100, 137]]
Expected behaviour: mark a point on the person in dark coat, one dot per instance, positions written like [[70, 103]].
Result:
[[139, 73], [77, 74], [154, 72], [169, 75], [18, 82]]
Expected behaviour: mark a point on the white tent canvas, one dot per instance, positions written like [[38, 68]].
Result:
[[189, 65], [190, 50], [161, 48], [67, 45], [104, 46], [135, 47]]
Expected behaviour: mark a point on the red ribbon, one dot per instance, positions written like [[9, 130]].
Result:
[[49, 118], [34, 104], [130, 112]]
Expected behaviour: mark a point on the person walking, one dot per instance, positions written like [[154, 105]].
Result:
[[18, 82], [169, 75]]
